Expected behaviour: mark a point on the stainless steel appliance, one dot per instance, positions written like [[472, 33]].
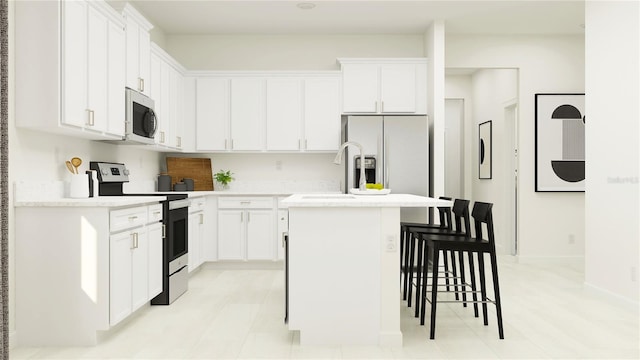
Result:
[[175, 212], [396, 155], [140, 118]]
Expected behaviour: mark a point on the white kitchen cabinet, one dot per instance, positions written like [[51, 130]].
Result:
[[270, 112], [284, 114], [212, 114], [322, 113], [384, 86], [247, 114], [245, 228], [138, 50], [231, 236], [196, 233], [75, 89], [155, 239], [167, 91], [259, 234], [131, 273]]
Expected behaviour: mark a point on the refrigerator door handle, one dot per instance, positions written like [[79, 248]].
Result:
[[380, 160], [386, 162]]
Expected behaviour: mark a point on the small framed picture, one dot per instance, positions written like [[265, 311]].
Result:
[[484, 150], [559, 142]]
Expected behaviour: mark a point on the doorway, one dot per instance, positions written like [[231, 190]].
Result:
[[511, 136]]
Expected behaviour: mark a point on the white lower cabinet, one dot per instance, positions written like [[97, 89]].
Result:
[[154, 234], [135, 262], [246, 228], [196, 238], [283, 227]]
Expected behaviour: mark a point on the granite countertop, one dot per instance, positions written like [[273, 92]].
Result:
[[349, 200], [101, 201]]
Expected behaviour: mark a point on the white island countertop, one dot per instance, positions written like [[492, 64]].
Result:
[[350, 200]]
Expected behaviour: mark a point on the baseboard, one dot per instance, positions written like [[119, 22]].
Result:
[[618, 299], [243, 265]]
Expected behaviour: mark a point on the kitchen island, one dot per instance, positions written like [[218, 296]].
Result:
[[343, 267]]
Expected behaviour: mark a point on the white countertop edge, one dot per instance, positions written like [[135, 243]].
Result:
[[101, 201], [349, 200]]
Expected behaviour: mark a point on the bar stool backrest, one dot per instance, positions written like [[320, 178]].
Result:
[[461, 213], [445, 214], [482, 215]]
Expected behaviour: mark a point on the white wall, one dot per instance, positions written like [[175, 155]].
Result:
[[285, 52], [612, 153], [434, 45], [545, 64], [459, 87]]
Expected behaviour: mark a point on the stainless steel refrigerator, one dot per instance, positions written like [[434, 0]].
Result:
[[397, 155]]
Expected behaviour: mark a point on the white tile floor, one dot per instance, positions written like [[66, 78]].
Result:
[[237, 314]]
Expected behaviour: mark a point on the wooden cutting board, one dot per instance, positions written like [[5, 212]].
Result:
[[198, 169]]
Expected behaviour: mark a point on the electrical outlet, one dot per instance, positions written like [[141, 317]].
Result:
[[391, 243], [572, 239]]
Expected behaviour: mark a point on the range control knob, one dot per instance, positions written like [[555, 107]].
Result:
[[104, 172], [126, 172]]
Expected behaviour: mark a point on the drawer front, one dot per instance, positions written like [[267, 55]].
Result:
[[245, 202], [197, 204], [127, 218], [154, 213]]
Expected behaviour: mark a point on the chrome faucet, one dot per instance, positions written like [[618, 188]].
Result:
[[338, 161]]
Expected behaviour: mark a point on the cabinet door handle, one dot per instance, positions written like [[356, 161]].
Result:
[[225, 144], [376, 106], [305, 144], [201, 219], [248, 217], [382, 106], [179, 141], [133, 241], [141, 84], [162, 137], [90, 117], [164, 231], [241, 217], [231, 144]]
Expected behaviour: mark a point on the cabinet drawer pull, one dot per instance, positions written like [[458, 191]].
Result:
[[132, 218], [245, 202], [157, 213]]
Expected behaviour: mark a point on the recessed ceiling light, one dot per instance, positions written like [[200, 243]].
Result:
[[306, 6]]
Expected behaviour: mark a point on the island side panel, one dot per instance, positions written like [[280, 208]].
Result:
[[390, 305], [334, 276], [62, 275]]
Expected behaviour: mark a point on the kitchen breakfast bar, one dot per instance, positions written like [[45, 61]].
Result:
[[343, 267]]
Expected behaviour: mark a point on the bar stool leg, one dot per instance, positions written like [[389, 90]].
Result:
[[406, 265], [412, 250], [452, 255], [462, 279], [425, 276], [474, 294], [434, 292], [483, 287], [496, 290], [419, 265]]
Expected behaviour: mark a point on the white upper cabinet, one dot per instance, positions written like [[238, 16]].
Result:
[[270, 112], [166, 88], [247, 113], [384, 86], [212, 114], [322, 113], [284, 114], [79, 89], [138, 50]]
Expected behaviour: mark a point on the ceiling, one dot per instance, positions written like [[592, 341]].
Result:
[[362, 16]]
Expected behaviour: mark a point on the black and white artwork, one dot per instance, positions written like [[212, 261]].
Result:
[[484, 150], [560, 146]]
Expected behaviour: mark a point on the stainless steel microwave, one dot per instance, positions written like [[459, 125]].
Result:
[[140, 119]]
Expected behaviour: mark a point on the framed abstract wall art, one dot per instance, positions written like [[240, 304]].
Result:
[[484, 150], [559, 141]]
